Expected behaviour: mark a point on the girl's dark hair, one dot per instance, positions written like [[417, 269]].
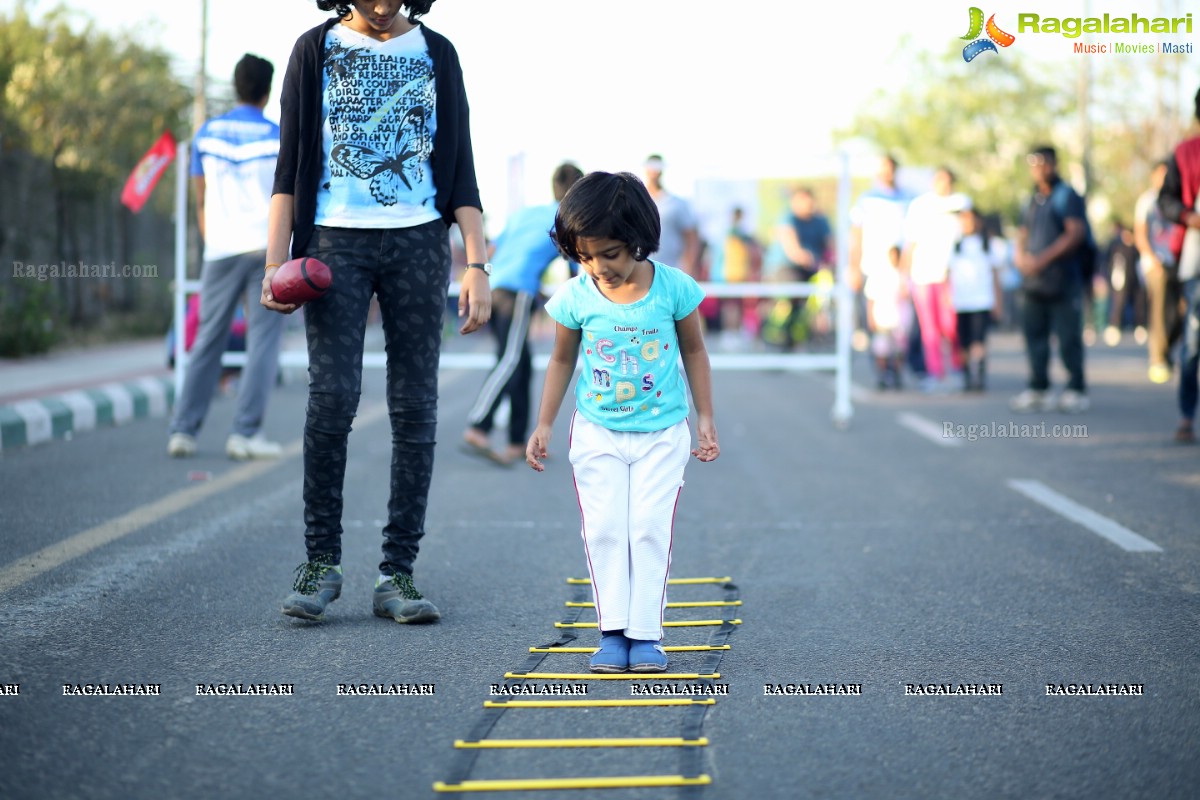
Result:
[[416, 8], [604, 205]]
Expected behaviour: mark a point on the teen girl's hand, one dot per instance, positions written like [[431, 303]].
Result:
[[535, 451], [707, 448], [474, 300], [279, 234], [268, 299], [475, 294]]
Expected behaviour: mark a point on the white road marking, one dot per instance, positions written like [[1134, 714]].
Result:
[[1096, 523], [927, 428]]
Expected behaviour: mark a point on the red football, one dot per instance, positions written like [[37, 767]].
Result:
[[300, 280]]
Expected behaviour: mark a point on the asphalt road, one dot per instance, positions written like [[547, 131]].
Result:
[[875, 557]]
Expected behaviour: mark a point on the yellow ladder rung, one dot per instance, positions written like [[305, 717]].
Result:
[[645, 741], [657, 701], [686, 623], [525, 784], [671, 581], [610, 676], [682, 604], [679, 648]]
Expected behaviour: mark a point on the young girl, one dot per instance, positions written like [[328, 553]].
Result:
[[375, 163], [977, 296], [889, 318], [630, 319]]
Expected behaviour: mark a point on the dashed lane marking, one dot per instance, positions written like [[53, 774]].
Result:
[[927, 429], [1082, 515]]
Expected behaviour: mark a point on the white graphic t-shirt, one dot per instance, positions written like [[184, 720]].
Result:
[[630, 379], [379, 124], [879, 213], [972, 286], [932, 228], [236, 154]]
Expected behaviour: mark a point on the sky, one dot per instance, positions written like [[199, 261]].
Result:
[[723, 90]]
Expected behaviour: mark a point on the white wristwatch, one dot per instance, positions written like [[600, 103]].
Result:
[[487, 268]]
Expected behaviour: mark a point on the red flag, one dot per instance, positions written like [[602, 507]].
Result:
[[145, 175]]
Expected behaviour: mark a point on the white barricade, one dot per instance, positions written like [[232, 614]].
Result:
[[838, 361]]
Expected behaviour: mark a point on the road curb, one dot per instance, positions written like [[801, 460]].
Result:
[[61, 416]]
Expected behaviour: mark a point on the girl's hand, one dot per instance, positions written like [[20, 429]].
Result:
[[474, 300], [707, 448], [535, 451], [268, 299]]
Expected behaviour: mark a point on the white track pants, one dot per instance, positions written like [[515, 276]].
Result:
[[628, 485]]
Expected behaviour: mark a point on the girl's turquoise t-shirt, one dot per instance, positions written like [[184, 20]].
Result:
[[631, 379]]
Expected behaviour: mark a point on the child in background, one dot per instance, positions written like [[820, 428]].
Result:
[[977, 296], [889, 318], [523, 253], [631, 319]]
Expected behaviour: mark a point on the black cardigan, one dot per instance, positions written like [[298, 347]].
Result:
[[298, 171]]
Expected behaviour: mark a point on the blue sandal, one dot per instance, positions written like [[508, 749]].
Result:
[[647, 656], [613, 655]]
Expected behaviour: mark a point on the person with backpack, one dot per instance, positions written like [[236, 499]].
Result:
[[1051, 250]]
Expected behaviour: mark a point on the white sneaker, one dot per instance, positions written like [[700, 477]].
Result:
[[1112, 336], [243, 448], [180, 445], [1028, 402], [1073, 402]]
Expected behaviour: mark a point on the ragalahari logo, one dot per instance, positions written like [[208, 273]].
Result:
[[995, 36]]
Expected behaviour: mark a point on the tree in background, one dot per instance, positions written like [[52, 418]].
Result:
[[980, 121], [79, 108], [981, 118]]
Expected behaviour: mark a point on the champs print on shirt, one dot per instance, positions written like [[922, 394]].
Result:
[[619, 363], [630, 379], [379, 101]]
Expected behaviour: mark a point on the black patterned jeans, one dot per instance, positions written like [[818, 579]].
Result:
[[408, 269]]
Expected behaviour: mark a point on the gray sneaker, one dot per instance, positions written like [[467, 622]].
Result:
[[400, 600], [181, 445], [1029, 401], [1073, 402], [244, 448], [318, 583]]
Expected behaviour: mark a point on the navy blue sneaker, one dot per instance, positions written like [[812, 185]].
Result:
[[646, 656], [318, 583], [613, 655]]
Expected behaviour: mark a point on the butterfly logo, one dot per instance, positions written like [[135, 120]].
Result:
[[387, 171]]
